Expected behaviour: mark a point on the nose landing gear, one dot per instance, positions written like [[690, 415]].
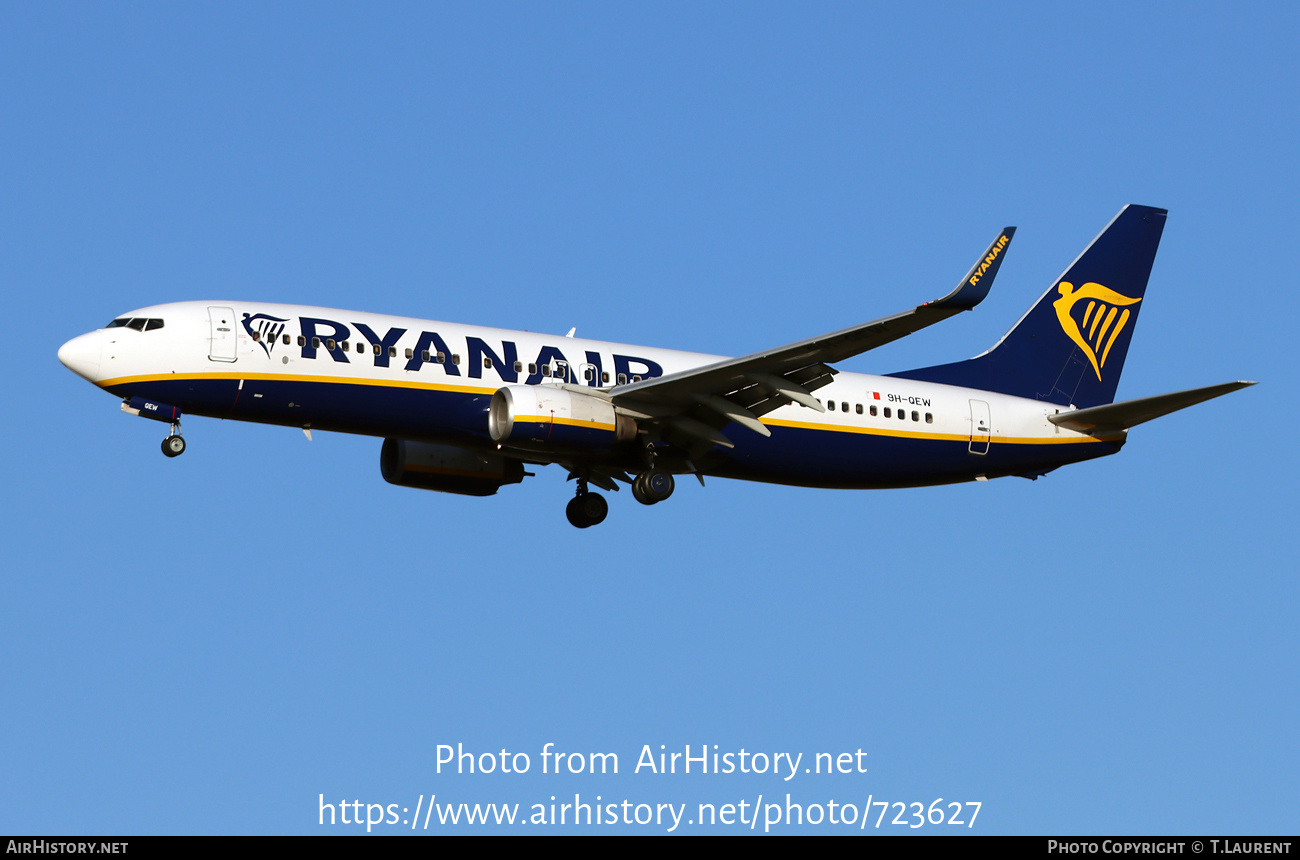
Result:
[[174, 445], [586, 509]]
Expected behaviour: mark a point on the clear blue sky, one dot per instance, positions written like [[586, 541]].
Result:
[[209, 644]]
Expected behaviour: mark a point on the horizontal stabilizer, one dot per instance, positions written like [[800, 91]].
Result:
[[1130, 413]]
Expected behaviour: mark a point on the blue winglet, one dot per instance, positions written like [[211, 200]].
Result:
[[975, 286]]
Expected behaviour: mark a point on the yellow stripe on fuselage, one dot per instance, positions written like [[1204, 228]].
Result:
[[293, 377], [544, 419], [939, 437]]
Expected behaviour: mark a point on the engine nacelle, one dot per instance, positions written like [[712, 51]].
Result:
[[545, 417], [446, 468]]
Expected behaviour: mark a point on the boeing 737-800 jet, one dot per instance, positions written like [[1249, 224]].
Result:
[[465, 409]]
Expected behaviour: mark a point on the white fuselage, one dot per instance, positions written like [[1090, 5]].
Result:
[[418, 379]]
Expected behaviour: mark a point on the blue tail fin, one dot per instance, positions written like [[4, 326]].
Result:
[[1070, 347]]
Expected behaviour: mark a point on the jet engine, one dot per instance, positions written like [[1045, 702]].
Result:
[[545, 417], [446, 468]]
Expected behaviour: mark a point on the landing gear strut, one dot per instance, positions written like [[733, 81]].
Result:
[[174, 445], [586, 508], [652, 487]]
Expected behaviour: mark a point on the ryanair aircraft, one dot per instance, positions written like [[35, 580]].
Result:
[[464, 409]]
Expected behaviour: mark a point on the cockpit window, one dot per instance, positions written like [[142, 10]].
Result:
[[137, 323]]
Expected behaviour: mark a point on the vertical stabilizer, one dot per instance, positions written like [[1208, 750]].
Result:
[[1070, 347]]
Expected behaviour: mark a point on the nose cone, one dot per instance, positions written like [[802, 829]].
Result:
[[81, 355]]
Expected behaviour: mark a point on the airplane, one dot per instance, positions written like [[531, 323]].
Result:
[[467, 409]]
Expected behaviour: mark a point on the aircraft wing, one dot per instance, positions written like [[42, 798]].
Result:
[[698, 402]]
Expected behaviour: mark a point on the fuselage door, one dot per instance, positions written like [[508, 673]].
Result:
[[981, 426], [222, 325]]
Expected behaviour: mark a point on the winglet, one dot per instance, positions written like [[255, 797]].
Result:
[[975, 286]]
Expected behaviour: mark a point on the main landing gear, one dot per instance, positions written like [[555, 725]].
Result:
[[652, 487], [586, 508], [174, 445]]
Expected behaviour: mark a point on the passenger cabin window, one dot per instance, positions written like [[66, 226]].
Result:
[[604, 377], [929, 418], [873, 409], [622, 379], [286, 340], [887, 415], [916, 416], [392, 352], [315, 343], [410, 353], [519, 367], [455, 358], [859, 408]]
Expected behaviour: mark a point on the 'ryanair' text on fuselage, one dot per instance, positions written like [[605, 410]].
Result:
[[328, 336]]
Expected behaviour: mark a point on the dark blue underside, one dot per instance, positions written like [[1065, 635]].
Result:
[[799, 456]]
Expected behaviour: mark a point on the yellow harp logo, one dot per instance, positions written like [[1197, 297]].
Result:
[[1099, 324]]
